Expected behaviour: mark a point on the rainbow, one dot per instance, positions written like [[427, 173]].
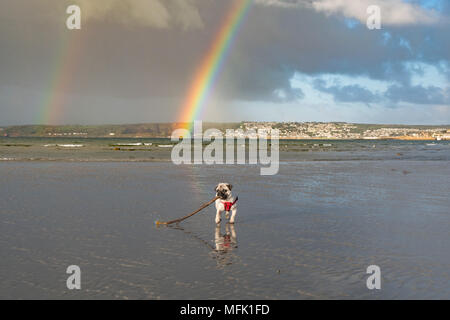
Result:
[[61, 78], [210, 66]]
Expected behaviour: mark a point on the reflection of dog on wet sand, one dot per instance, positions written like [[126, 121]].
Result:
[[224, 244], [225, 203], [226, 241]]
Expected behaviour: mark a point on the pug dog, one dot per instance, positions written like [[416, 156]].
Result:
[[225, 203]]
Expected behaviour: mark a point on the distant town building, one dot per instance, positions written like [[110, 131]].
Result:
[[341, 130]]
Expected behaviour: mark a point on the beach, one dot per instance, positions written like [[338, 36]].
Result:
[[328, 121], [160, 149], [309, 232]]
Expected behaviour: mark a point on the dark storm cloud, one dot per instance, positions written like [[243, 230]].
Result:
[[348, 93], [414, 94], [278, 42], [122, 54], [418, 94]]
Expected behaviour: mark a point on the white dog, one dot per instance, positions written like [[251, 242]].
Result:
[[226, 202]]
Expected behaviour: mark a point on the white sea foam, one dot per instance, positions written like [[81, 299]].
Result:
[[64, 145], [70, 145], [129, 144]]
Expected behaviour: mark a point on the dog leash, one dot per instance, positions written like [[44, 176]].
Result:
[[189, 215]]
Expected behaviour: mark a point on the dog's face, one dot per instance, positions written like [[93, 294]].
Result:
[[223, 190]]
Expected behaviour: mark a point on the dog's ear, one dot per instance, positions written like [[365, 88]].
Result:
[[216, 187], [229, 186]]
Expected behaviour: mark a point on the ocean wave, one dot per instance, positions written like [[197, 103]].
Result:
[[128, 144], [64, 145], [137, 144], [71, 145]]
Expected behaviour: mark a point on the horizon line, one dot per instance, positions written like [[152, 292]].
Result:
[[217, 122]]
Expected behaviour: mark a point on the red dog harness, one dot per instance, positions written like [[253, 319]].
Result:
[[228, 205]]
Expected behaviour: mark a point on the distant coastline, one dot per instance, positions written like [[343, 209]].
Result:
[[288, 130]]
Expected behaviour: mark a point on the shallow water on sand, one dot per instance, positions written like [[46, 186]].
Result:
[[158, 150], [309, 232]]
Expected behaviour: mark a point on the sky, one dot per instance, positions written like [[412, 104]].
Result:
[[291, 60]]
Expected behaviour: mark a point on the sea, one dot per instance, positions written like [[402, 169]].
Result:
[[311, 231]]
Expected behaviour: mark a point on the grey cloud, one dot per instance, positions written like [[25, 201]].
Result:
[[149, 66], [151, 13], [393, 12], [418, 94], [349, 93]]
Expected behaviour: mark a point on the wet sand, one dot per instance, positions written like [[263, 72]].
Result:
[[307, 233], [157, 150]]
